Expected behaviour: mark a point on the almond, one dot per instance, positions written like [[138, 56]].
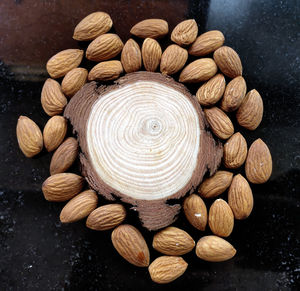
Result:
[[62, 186], [106, 71], [258, 163], [64, 156], [219, 122], [63, 62], [153, 28], [151, 52], [131, 57], [52, 98], [106, 217], [104, 47], [214, 249], [173, 241], [211, 91], [73, 81], [185, 32], [93, 25], [207, 43], [240, 198], [228, 61], [54, 132], [29, 137], [250, 113], [198, 71], [131, 245], [215, 185], [195, 211], [235, 151], [166, 269], [234, 94], [79, 207]]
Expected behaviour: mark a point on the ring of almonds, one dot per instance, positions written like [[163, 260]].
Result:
[[218, 96]]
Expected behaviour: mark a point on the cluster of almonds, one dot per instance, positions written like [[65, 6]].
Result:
[[171, 241]]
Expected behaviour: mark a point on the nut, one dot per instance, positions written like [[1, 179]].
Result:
[[106, 71], [185, 32], [151, 52], [153, 28], [131, 57], [73, 81]]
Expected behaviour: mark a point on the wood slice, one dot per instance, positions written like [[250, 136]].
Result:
[[144, 140]]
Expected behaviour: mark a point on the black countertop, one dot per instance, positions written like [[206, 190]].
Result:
[[37, 252]]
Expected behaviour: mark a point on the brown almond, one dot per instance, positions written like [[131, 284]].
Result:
[[235, 151], [62, 186], [131, 245], [195, 211], [92, 26], [63, 62], [106, 217], [173, 59], [52, 98], [240, 198], [131, 57], [250, 113], [228, 61], [216, 184], [258, 163], [79, 207], [73, 81], [166, 269], [106, 71], [54, 132], [219, 122], [211, 91], [64, 156], [151, 53], [153, 28], [221, 218], [29, 137], [185, 32], [214, 249], [104, 47]]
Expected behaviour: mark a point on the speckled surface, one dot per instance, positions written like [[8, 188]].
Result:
[[37, 252]]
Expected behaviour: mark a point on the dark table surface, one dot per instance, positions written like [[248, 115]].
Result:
[[37, 252]]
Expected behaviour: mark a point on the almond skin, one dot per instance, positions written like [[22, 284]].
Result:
[[153, 28], [73, 81], [185, 32], [198, 71], [166, 269], [195, 211], [219, 122], [29, 137], [131, 57], [106, 217], [62, 186], [211, 91], [250, 113], [104, 47], [207, 43], [258, 163], [131, 245], [173, 241], [235, 151], [52, 98], [240, 198], [106, 71], [216, 184], [221, 218], [173, 59], [151, 53], [64, 156], [63, 62], [214, 249], [79, 207], [92, 26], [54, 132]]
